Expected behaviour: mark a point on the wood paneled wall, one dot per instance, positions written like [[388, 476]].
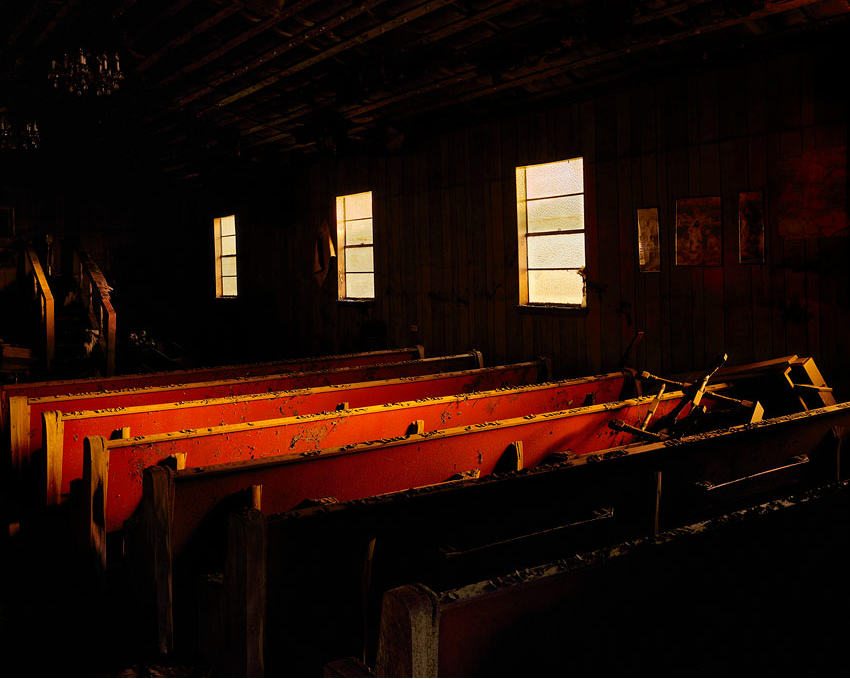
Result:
[[445, 228]]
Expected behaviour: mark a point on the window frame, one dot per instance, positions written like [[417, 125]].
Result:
[[219, 257], [343, 247], [523, 236]]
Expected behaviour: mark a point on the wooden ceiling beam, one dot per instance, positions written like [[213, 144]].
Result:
[[555, 66], [368, 35], [297, 41], [172, 9], [211, 22], [22, 25], [63, 11], [238, 41], [123, 8], [479, 17]]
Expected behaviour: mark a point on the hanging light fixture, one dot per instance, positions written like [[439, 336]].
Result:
[[79, 72], [15, 138]]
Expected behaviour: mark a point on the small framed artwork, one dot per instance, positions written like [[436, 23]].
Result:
[[698, 232], [7, 222], [649, 249], [751, 227]]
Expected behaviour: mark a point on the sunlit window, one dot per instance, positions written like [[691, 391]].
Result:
[[550, 221], [224, 237], [355, 251]]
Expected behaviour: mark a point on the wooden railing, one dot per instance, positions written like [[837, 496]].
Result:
[[44, 298], [94, 294]]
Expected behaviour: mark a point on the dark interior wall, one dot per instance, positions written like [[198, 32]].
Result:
[[445, 230], [445, 226]]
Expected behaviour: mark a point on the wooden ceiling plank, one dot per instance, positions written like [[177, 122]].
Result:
[[64, 10], [300, 39], [554, 66], [211, 22], [239, 40], [171, 10], [22, 25], [366, 36], [479, 17]]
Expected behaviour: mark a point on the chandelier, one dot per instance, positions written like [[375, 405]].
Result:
[[16, 138], [79, 73]]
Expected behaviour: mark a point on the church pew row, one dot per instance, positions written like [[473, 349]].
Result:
[[65, 432], [310, 561], [181, 510], [136, 381], [492, 627], [114, 466], [25, 413]]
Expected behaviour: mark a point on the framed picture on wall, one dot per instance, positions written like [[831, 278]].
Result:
[[751, 227], [7, 222], [698, 232], [649, 248]]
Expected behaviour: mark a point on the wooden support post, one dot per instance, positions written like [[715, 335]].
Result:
[[365, 593], [53, 430], [408, 640], [119, 434], [656, 521], [19, 430], [512, 458], [651, 412], [95, 477], [245, 592], [257, 497], [479, 357], [157, 520], [421, 349]]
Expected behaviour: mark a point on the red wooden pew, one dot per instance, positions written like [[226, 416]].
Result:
[[458, 630], [177, 504], [25, 413], [64, 432], [117, 464], [89, 385]]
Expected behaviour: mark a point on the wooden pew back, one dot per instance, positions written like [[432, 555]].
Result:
[[64, 433], [210, 374], [25, 413], [119, 461]]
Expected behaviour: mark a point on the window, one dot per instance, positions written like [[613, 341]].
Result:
[[224, 237], [356, 258], [550, 222]]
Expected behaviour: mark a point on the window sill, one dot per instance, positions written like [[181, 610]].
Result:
[[355, 301], [553, 309]]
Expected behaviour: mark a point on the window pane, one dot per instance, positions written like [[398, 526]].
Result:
[[358, 232], [228, 225], [228, 245], [360, 285], [555, 179], [358, 206], [555, 287], [359, 259], [556, 214], [228, 286], [556, 252], [228, 266]]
